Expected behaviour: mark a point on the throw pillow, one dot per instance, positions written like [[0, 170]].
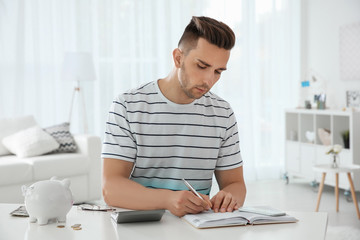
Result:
[[9, 126], [30, 142], [61, 133]]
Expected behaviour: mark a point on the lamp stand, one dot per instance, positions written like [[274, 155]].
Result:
[[78, 91]]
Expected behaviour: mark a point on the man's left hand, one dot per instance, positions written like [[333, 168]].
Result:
[[224, 202]]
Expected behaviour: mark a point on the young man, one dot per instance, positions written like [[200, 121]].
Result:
[[174, 128]]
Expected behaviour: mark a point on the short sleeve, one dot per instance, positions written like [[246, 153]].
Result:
[[229, 154], [119, 142]]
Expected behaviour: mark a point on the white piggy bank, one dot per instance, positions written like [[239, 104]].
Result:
[[49, 199]]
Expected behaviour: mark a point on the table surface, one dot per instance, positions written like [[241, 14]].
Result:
[[340, 168], [99, 225]]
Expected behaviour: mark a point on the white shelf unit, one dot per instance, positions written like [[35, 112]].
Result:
[[301, 156]]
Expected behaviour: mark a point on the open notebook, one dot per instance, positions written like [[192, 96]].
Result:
[[210, 219]]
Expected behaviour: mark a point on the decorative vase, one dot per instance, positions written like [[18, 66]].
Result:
[[310, 136], [334, 162], [324, 136]]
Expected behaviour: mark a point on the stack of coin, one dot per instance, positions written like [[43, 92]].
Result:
[[76, 226]]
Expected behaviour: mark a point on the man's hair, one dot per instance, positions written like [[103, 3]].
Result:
[[215, 32]]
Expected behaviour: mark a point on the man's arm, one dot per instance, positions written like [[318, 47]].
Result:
[[232, 190], [120, 191]]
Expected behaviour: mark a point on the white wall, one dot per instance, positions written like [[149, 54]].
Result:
[[321, 20]]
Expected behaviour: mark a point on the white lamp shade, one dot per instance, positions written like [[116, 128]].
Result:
[[78, 66]]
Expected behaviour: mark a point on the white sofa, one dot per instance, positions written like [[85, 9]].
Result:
[[83, 168]]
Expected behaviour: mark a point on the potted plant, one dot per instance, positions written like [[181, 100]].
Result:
[[346, 138]]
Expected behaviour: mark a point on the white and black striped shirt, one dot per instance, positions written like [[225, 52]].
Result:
[[169, 141]]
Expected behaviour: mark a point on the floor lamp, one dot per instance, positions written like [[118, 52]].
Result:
[[78, 67]]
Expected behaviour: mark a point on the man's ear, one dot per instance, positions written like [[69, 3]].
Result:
[[177, 57]]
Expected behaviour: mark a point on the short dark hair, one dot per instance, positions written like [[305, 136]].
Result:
[[215, 32]]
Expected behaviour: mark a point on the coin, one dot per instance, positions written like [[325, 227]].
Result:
[[76, 225], [60, 226], [77, 228]]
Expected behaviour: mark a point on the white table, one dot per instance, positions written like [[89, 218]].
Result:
[[99, 225], [327, 168]]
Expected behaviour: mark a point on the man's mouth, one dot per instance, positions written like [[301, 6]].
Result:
[[202, 90]]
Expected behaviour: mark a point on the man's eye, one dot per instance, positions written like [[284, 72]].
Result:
[[217, 72], [202, 67]]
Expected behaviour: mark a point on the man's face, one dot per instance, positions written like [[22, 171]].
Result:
[[202, 68]]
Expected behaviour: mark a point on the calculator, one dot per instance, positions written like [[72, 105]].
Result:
[[137, 216]]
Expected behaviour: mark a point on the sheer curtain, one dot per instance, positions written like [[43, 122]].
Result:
[[132, 41]]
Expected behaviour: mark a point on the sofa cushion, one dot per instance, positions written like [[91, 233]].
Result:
[[62, 135], [14, 170], [60, 164], [30, 142], [10, 126]]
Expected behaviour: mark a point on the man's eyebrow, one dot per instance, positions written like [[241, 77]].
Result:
[[205, 63], [209, 65]]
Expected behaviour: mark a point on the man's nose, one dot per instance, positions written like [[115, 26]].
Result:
[[209, 79]]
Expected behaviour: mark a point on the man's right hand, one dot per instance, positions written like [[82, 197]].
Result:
[[184, 202], [120, 191]]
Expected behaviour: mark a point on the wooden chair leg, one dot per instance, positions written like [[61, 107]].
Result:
[[320, 191], [337, 190], [353, 194]]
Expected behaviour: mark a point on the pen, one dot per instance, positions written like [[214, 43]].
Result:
[[192, 189]]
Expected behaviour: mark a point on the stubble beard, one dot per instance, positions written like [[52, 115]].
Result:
[[184, 85]]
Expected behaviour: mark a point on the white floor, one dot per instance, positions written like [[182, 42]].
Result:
[[299, 195]]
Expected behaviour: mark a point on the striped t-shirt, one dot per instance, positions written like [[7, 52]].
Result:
[[169, 141]]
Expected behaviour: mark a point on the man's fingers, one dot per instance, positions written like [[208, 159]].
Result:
[[225, 203], [185, 202], [192, 208], [207, 201], [236, 206], [232, 206], [216, 201], [197, 203]]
